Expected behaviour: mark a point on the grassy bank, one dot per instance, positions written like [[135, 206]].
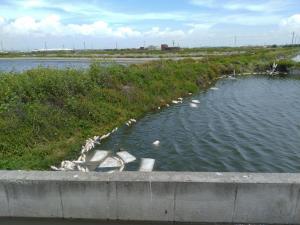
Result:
[[46, 114]]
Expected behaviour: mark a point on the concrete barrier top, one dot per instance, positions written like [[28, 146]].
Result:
[[203, 177]]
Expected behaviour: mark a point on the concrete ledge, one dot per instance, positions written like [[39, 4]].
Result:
[[157, 196]]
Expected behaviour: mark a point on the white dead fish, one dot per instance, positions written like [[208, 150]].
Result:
[[126, 157], [55, 168], [158, 108], [214, 88], [167, 105], [196, 101], [147, 165], [190, 93], [156, 143], [105, 136], [133, 120], [114, 130], [180, 99], [175, 102], [68, 165], [193, 105]]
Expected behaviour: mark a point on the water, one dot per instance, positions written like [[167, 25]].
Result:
[[250, 124], [18, 65], [297, 58]]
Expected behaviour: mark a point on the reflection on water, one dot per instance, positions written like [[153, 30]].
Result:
[[247, 125]]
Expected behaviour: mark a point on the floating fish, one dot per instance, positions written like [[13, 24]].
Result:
[[193, 105], [214, 88], [156, 143], [196, 101]]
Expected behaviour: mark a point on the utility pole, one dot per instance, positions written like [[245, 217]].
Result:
[[173, 43], [45, 45], [293, 38], [116, 45]]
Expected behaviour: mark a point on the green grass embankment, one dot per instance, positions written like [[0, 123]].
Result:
[[46, 114]]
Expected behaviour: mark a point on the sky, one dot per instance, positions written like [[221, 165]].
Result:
[[34, 24]]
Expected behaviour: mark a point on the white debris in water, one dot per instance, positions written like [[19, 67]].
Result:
[[156, 143], [158, 108], [126, 157], [110, 162], [196, 101], [167, 105], [193, 105], [214, 88], [98, 156], [190, 93], [147, 165], [175, 102], [180, 99], [75, 176], [219, 174]]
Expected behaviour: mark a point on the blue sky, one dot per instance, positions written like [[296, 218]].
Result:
[[102, 23]]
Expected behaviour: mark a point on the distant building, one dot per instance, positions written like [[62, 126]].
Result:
[[165, 47]]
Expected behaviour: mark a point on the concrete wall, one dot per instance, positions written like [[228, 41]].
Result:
[[165, 196]]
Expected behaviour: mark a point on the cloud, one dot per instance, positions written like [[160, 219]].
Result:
[[52, 25], [245, 5], [292, 22]]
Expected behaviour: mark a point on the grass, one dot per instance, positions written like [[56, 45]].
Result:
[[46, 114]]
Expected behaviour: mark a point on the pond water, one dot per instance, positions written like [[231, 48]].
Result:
[[18, 65], [250, 124]]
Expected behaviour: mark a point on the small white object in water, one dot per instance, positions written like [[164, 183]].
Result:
[[219, 174], [214, 88], [190, 93], [110, 162], [158, 108], [196, 101], [133, 120], [156, 143], [193, 105], [126, 156], [175, 102], [75, 176], [167, 105], [180, 99], [147, 165]]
